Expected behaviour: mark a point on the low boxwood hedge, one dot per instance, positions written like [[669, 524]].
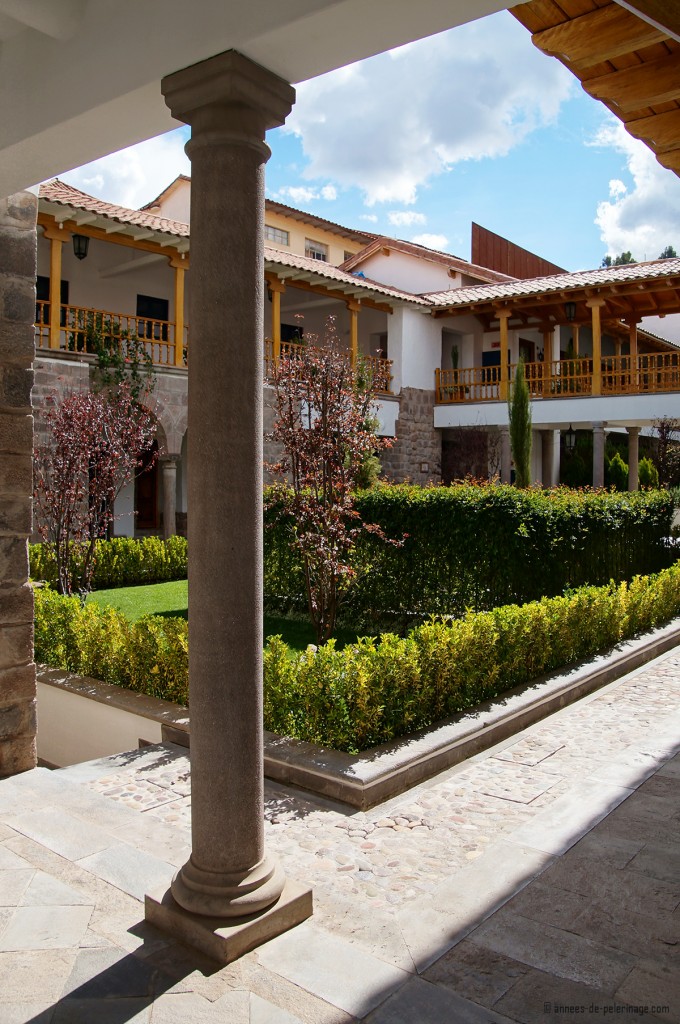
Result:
[[374, 690]]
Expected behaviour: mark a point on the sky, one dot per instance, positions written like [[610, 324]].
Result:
[[474, 124]]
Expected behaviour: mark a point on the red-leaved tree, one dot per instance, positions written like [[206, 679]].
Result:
[[95, 443], [325, 426]]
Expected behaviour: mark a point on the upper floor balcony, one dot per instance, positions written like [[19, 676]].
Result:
[[84, 331], [644, 373]]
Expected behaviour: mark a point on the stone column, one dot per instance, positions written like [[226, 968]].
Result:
[[17, 312], [633, 458], [547, 457], [506, 456], [229, 102], [598, 454], [169, 470]]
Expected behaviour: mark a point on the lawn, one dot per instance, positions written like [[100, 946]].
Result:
[[171, 599]]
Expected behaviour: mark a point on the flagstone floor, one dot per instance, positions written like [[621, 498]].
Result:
[[539, 881]]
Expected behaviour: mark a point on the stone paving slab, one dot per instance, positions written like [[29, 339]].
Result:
[[441, 904]]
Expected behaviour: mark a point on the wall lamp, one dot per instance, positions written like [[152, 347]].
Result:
[[570, 311], [570, 439], [81, 243]]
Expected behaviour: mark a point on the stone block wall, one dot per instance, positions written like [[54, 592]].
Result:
[[416, 454], [17, 313]]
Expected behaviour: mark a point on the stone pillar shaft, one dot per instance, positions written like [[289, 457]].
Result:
[[17, 313], [547, 457], [506, 456], [598, 454], [229, 103], [633, 458], [169, 470]]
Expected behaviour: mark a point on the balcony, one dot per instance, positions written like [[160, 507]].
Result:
[[83, 331], [381, 369], [648, 373]]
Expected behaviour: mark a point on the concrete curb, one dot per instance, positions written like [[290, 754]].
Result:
[[367, 779]]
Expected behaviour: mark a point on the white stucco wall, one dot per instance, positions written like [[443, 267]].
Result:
[[414, 345]]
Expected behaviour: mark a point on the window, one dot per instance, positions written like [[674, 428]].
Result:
[[316, 250], [347, 255], [42, 295], [154, 309], [276, 235]]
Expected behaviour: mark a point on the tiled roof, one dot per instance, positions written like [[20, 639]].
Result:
[[312, 218], [57, 191], [446, 259], [275, 258], [555, 283]]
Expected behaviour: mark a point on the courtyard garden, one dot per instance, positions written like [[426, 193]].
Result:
[[488, 588]]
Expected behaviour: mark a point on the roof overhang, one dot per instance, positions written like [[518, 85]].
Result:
[[627, 55]]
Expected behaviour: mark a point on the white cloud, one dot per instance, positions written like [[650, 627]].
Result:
[[388, 124], [134, 176], [644, 217], [406, 217], [300, 194], [431, 241], [372, 218]]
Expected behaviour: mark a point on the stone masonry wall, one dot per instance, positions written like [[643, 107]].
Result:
[[17, 313], [417, 444]]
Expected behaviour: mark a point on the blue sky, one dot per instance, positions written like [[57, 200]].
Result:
[[473, 124]]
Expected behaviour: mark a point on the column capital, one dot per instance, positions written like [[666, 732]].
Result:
[[169, 460], [178, 261], [56, 233], [228, 99], [275, 283], [633, 430]]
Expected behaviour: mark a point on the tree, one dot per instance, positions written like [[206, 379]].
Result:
[[621, 260], [668, 253], [324, 425], [667, 450], [95, 443], [519, 411]]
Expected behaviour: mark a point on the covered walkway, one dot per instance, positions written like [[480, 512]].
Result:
[[539, 881]]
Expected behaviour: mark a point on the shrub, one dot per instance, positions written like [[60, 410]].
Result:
[[375, 690], [648, 475], [121, 562], [616, 473]]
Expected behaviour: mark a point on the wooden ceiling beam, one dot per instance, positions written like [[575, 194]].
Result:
[[661, 13], [661, 131], [597, 36], [655, 81], [671, 160]]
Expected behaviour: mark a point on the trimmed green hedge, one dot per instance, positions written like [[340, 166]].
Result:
[[482, 546], [121, 562], [372, 691]]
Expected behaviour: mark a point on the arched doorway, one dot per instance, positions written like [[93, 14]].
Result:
[[146, 491]]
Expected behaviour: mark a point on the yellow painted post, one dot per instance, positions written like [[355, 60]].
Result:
[[353, 308], [595, 306], [179, 265], [634, 367], [547, 334], [576, 329], [57, 237], [503, 317], [277, 288]]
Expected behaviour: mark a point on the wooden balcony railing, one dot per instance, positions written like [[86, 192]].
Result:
[[83, 330], [382, 368], [651, 372]]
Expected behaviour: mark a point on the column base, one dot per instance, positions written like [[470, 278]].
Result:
[[226, 939]]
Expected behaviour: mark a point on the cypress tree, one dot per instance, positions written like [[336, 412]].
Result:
[[519, 411]]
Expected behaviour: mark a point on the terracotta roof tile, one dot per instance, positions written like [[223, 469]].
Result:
[[555, 283], [57, 191], [274, 258]]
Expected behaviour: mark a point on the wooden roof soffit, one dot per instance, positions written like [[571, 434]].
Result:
[[625, 54]]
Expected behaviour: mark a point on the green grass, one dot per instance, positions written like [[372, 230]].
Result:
[[171, 599]]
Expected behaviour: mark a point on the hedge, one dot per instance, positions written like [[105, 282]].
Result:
[[374, 690], [481, 546], [121, 562], [466, 546]]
